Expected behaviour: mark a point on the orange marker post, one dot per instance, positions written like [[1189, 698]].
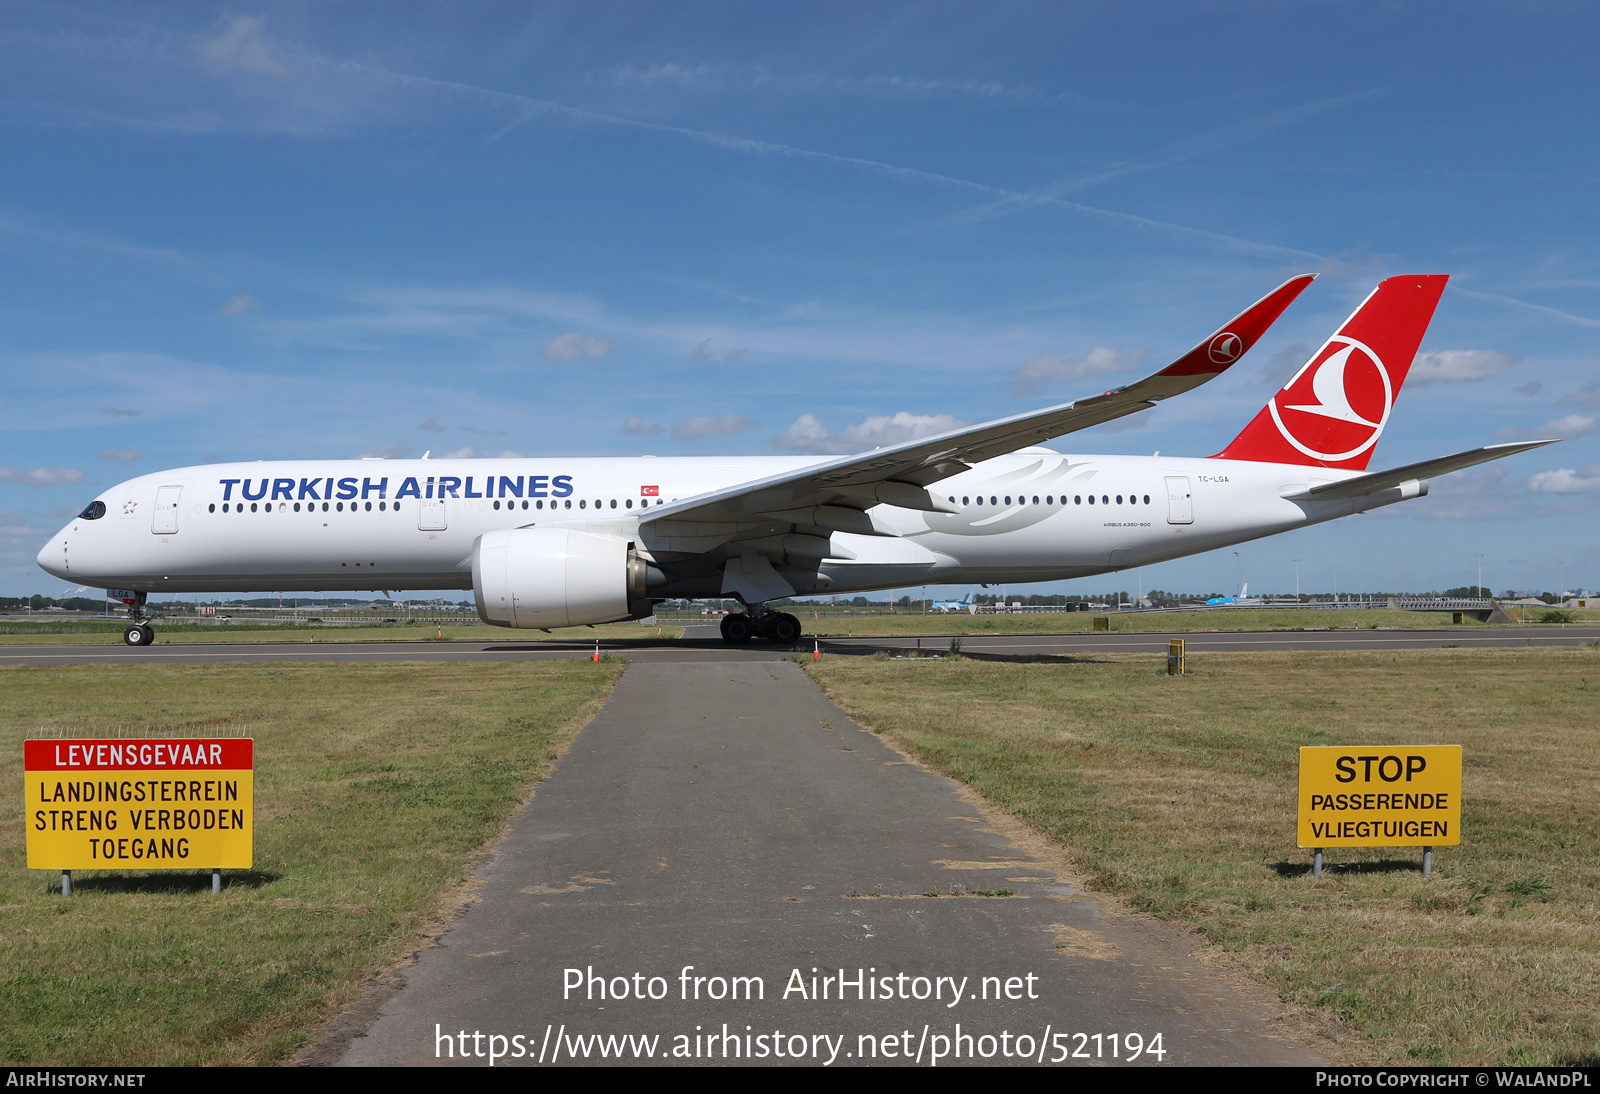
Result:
[[597, 649], [816, 650]]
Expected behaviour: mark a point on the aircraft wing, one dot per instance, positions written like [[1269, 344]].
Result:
[[834, 494], [1382, 480]]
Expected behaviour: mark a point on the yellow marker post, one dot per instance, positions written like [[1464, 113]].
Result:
[[1380, 796], [1176, 660], [158, 803]]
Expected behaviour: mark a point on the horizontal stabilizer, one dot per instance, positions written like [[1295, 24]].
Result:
[[1411, 472]]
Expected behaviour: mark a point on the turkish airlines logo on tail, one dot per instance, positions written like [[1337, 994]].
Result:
[[1337, 406], [1225, 348]]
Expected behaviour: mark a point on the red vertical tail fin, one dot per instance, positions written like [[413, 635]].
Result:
[[1334, 410]]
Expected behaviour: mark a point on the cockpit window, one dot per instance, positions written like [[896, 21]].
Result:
[[93, 511]]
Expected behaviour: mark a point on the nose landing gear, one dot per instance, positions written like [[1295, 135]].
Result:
[[140, 633]]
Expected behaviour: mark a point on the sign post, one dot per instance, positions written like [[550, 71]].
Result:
[[156, 803], [1380, 796]]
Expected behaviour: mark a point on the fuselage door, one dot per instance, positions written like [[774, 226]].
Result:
[[1180, 503], [165, 521], [430, 515]]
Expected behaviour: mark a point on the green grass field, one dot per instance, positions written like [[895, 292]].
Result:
[[376, 787], [1231, 619], [89, 632], [1178, 796]]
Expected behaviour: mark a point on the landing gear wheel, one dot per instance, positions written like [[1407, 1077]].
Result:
[[737, 629], [140, 634], [784, 629]]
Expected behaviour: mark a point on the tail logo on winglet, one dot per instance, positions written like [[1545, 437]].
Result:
[[1225, 348], [1342, 398]]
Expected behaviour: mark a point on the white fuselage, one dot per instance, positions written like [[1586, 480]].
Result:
[[1033, 515]]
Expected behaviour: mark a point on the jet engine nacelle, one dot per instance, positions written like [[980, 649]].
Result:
[[555, 577]]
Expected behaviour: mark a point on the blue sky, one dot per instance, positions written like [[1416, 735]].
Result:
[[295, 230]]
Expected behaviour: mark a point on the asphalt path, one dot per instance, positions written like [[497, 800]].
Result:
[[721, 820], [701, 642]]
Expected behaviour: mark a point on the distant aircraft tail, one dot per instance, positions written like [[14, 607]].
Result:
[[1334, 410]]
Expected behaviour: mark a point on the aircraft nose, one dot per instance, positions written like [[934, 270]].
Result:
[[52, 558]]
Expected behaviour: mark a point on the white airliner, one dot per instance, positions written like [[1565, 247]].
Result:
[[560, 542]]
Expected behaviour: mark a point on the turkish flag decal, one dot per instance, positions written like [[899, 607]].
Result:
[[649, 491]]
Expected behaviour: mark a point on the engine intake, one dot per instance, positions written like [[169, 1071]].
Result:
[[556, 577]]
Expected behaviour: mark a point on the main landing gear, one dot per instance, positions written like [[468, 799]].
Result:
[[779, 627]]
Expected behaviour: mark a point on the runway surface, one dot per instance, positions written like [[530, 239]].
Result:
[[721, 820], [702, 643]]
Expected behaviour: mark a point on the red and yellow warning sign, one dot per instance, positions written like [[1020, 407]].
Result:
[[161, 804]]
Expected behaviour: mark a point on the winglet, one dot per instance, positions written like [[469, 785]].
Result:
[[1234, 338]]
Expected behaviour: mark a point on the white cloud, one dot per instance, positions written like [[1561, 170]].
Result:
[[694, 77], [573, 345], [693, 429], [238, 305], [239, 42], [509, 454], [1034, 375], [388, 452], [1566, 480], [1127, 422], [1566, 428], [1473, 495], [1458, 364], [1586, 397], [638, 427], [43, 476], [118, 456], [1285, 363], [1529, 389], [808, 434], [19, 541], [464, 454]]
